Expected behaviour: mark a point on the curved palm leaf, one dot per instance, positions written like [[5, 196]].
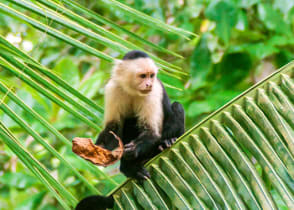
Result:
[[147, 20], [215, 164], [58, 91], [55, 11], [56, 188], [102, 20]]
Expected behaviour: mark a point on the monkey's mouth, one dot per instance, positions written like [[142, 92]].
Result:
[[145, 91]]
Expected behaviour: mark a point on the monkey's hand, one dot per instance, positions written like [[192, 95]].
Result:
[[138, 149], [131, 151]]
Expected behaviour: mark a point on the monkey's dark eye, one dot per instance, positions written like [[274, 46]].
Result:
[[152, 75], [142, 75]]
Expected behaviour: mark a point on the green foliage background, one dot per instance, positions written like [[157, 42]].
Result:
[[240, 42]]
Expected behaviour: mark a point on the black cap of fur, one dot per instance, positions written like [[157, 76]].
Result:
[[134, 55]]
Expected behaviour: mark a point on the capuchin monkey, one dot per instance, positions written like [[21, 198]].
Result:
[[139, 111]]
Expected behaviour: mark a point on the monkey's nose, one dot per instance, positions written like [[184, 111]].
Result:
[[148, 86]]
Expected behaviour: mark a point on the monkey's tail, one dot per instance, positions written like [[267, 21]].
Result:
[[96, 202]]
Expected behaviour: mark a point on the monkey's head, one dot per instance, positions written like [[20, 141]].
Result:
[[135, 73]]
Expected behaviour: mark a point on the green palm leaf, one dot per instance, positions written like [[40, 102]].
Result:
[[47, 72], [18, 73], [96, 28], [53, 32], [215, 164], [103, 20], [10, 63], [51, 10], [147, 20], [56, 188], [45, 82]]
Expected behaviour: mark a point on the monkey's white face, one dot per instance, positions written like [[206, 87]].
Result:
[[136, 76], [144, 80]]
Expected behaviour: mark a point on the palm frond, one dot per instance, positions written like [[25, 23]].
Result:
[[49, 148], [147, 20], [9, 94], [18, 73], [103, 20], [57, 13], [98, 29], [45, 82], [37, 66], [53, 32], [66, 199], [216, 163]]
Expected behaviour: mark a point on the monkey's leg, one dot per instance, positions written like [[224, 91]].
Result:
[[134, 168]]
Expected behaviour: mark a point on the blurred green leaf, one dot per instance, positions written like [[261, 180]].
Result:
[[68, 71], [261, 50], [147, 20], [284, 57], [199, 107], [272, 19], [225, 14], [49, 207], [242, 22], [247, 3], [280, 40], [32, 203], [18, 180], [218, 98], [201, 62], [91, 85], [284, 6], [237, 65]]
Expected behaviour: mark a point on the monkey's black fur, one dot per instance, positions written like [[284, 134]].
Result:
[[134, 55], [173, 127], [140, 143], [95, 202]]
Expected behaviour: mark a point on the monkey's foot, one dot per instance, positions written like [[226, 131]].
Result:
[[167, 144], [134, 170], [142, 175]]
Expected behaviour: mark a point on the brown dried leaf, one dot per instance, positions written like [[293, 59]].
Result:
[[85, 148]]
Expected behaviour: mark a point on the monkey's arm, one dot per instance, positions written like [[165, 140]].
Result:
[[112, 118], [106, 139], [173, 126], [173, 123]]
